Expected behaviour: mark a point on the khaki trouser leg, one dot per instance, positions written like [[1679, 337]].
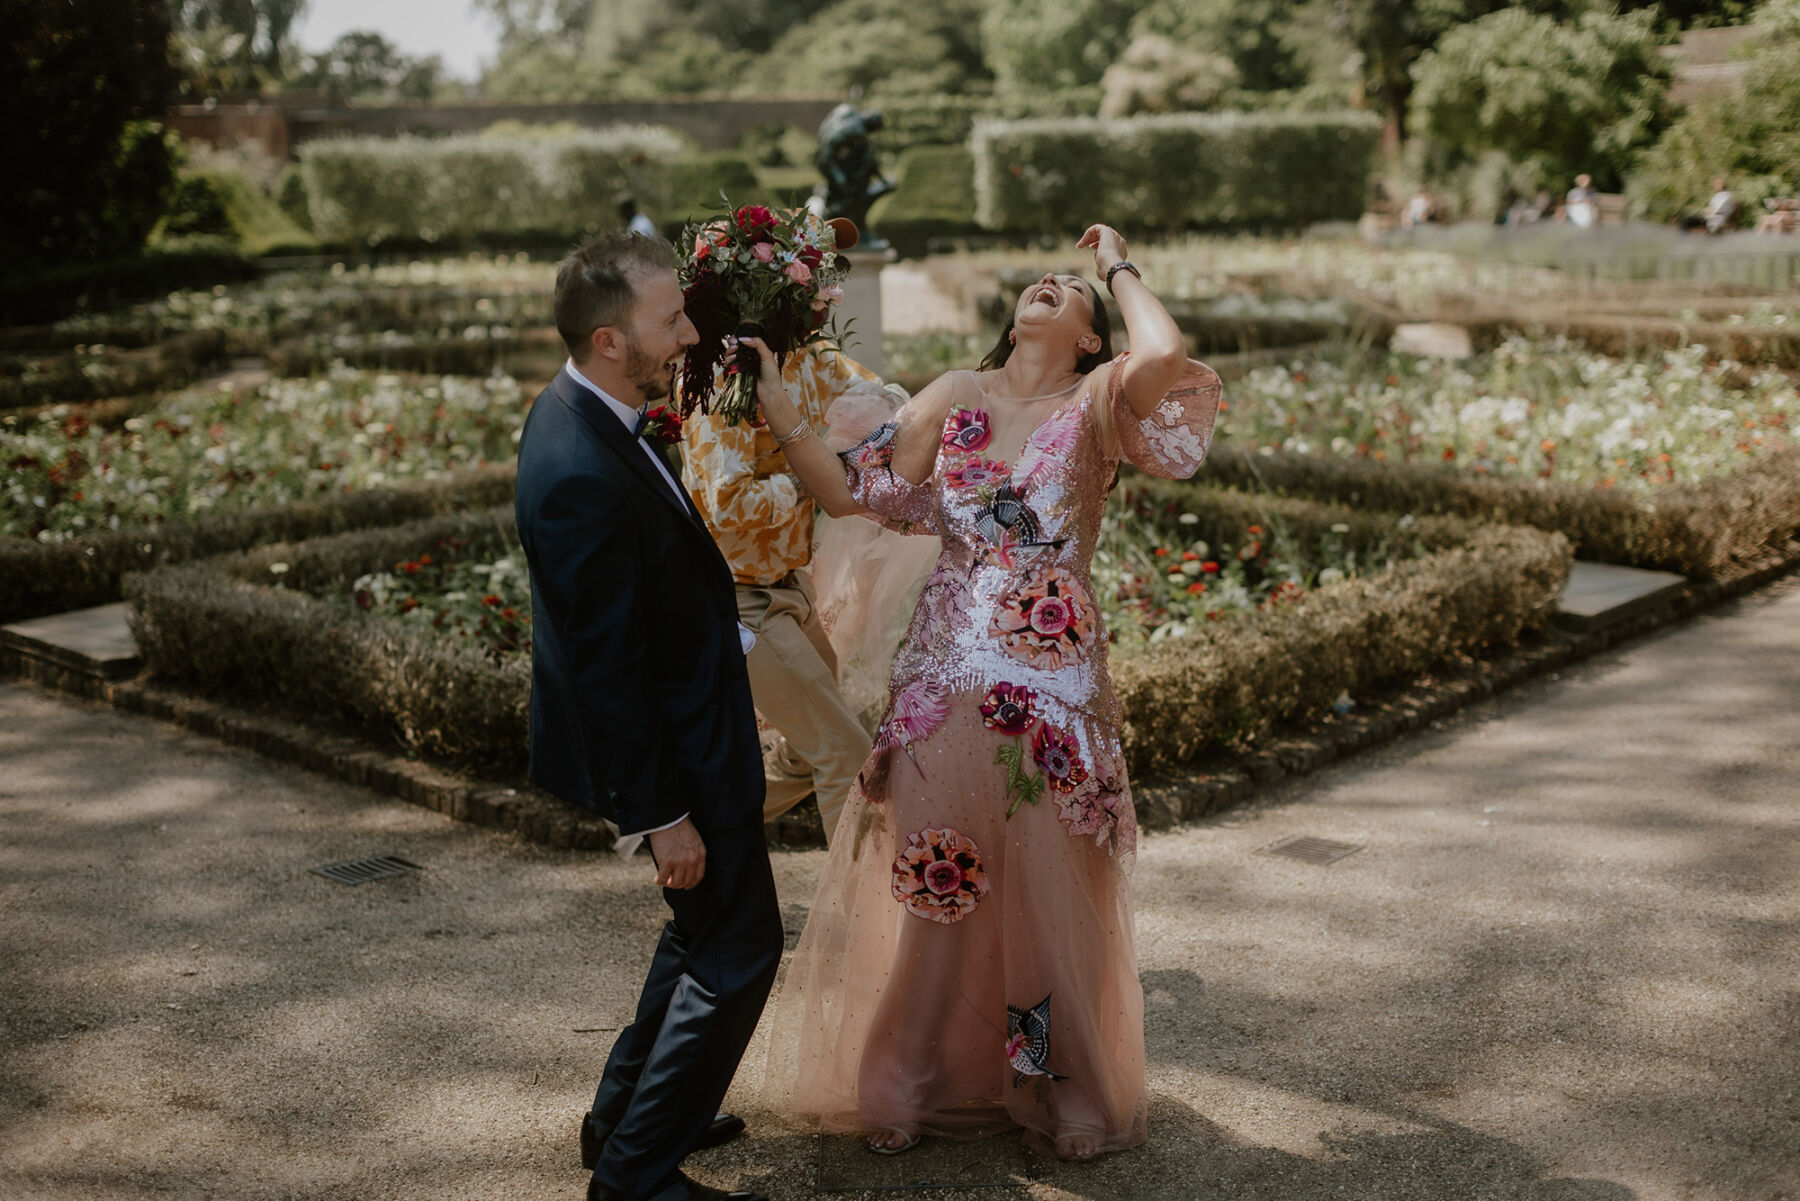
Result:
[[793, 679]]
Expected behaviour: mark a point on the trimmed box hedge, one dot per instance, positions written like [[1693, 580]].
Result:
[[1697, 529], [1622, 336], [1173, 172], [71, 377], [51, 577], [933, 197], [221, 625], [367, 190], [1236, 677]]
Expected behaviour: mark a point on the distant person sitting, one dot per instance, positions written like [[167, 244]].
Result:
[[1720, 214], [635, 221], [1579, 207]]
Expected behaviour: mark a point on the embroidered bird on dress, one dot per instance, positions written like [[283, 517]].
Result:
[[877, 447], [1028, 1041], [1009, 513]]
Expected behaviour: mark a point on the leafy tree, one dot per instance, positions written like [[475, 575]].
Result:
[[1047, 45], [1752, 139], [364, 64], [1255, 34], [232, 45], [90, 171], [925, 47], [1565, 97]]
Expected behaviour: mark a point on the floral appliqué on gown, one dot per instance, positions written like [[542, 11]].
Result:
[[979, 884]]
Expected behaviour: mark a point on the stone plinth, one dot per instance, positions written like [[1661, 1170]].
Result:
[[862, 305], [1600, 594], [88, 642]]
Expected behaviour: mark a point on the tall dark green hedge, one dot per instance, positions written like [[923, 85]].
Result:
[[1173, 172]]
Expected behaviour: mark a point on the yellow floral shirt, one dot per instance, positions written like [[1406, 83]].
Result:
[[740, 480]]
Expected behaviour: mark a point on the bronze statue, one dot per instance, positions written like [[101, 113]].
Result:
[[853, 179]]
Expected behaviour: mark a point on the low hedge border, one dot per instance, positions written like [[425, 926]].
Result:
[[51, 577], [1629, 335], [174, 362], [1694, 529], [426, 353], [1217, 782], [218, 624]]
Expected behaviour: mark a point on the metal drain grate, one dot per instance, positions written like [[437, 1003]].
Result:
[[361, 871], [1310, 849]]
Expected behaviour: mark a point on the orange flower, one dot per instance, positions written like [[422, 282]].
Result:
[[1195, 589], [938, 875]]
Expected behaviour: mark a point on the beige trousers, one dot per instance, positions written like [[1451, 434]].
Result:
[[793, 680]]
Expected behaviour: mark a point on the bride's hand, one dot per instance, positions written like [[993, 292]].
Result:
[[771, 393], [1108, 245]]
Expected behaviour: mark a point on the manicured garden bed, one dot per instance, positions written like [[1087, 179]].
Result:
[[416, 630]]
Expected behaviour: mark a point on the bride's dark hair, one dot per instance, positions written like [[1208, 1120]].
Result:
[[1102, 325]]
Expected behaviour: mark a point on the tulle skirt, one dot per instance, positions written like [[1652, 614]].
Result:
[[963, 973]]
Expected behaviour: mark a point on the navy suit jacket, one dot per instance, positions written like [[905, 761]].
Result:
[[640, 700]]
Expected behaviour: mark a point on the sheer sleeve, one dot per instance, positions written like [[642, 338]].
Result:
[[1173, 440], [890, 498]]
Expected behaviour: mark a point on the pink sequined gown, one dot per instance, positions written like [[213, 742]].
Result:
[[968, 964]]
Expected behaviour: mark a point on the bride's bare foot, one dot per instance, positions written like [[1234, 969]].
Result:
[[892, 1142], [1077, 1145]]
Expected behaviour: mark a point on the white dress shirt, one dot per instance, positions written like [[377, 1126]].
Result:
[[628, 417]]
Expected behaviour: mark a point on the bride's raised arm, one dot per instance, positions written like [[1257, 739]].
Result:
[[883, 473]]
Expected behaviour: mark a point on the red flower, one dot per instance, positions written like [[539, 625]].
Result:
[[490, 599], [1161, 551], [408, 605], [1008, 708], [812, 256], [1196, 589], [1210, 567], [509, 614], [1060, 757], [756, 221], [1188, 556]]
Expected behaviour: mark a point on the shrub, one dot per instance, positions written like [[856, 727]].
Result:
[[290, 194], [928, 121], [27, 297], [257, 223], [1695, 529], [1172, 172], [195, 207], [1242, 674], [223, 625], [691, 187], [49, 577], [77, 377], [366, 190], [933, 197]]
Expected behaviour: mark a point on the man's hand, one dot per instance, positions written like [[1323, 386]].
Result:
[[680, 855]]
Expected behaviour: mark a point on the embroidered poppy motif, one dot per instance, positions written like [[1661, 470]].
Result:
[[968, 430], [1008, 708], [1047, 622], [1059, 755], [977, 473], [938, 875]]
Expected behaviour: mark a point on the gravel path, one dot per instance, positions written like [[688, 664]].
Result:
[[1565, 967]]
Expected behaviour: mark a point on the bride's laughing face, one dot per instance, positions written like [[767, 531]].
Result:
[[1057, 307]]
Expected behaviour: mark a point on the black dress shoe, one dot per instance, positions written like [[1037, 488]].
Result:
[[724, 1128], [684, 1189]]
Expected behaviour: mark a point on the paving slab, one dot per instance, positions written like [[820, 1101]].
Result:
[[1564, 966], [95, 642], [1602, 594]]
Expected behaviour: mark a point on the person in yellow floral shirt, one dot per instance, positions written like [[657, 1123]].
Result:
[[762, 520]]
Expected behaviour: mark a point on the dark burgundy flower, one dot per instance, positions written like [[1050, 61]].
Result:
[[1008, 708], [1060, 757]]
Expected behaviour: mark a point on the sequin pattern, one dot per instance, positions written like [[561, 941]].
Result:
[[1009, 602]]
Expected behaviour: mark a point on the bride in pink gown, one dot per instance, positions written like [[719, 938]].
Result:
[[968, 965]]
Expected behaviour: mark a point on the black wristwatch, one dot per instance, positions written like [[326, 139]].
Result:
[[1121, 265]]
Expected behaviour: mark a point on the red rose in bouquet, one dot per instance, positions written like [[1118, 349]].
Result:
[[754, 273]]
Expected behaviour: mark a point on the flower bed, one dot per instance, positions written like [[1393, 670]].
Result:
[[1675, 463], [213, 470], [360, 627]]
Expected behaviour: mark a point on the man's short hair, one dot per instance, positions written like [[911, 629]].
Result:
[[593, 284]]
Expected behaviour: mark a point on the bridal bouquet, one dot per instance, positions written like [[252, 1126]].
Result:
[[755, 273]]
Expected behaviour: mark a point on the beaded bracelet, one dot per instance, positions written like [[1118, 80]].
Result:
[[1121, 265]]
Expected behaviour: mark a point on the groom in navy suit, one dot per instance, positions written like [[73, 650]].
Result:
[[641, 712]]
